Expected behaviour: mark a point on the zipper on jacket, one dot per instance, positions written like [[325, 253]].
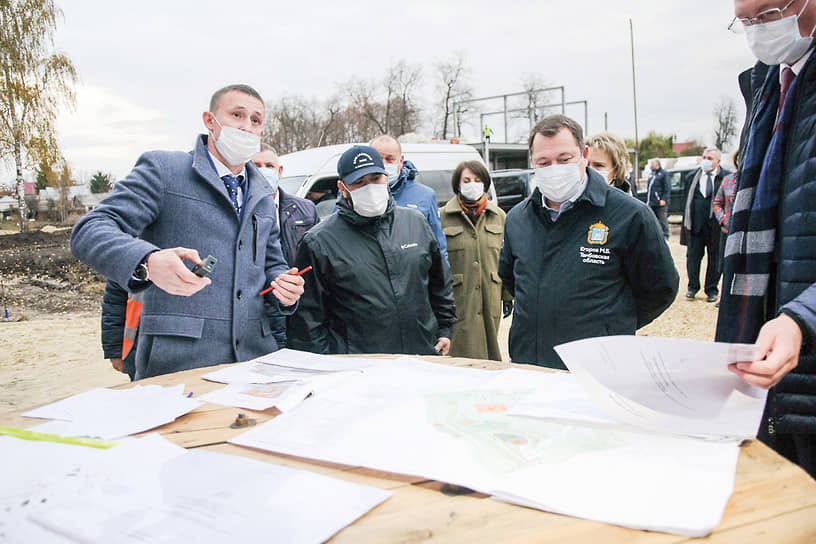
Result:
[[254, 238]]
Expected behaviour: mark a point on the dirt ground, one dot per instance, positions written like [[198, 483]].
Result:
[[50, 344]]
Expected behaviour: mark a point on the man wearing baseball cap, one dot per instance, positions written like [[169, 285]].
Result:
[[378, 282]]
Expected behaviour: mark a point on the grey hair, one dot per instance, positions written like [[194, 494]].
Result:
[[714, 150]]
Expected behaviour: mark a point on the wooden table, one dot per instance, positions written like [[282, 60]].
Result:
[[773, 500]]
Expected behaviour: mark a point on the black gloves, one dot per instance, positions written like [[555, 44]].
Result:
[[507, 307]]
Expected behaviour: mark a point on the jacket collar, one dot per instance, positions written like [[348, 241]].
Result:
[[407, 175], [256, 187]]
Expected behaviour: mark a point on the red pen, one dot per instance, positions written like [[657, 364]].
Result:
[[265, 291]]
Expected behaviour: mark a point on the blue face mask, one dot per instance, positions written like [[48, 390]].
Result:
[[393, 173], [271, 175], [707, 165]]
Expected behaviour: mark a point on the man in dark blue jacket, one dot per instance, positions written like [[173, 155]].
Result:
[[658, 193], [582, 258], [295, 216], [408, 192], [769, 284]]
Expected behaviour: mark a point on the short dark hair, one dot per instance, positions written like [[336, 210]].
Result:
[[552, 124], [474, 166], [240, 87]]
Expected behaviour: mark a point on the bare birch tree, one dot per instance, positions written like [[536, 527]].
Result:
[[453, 86], [725, 122]]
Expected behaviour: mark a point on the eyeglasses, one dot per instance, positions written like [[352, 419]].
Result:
[[767, 16]]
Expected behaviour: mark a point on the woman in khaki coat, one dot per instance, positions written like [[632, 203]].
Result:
[[474, 229]]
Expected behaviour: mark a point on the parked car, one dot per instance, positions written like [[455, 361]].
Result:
[[680, 179], [511, 186], [312, 173]]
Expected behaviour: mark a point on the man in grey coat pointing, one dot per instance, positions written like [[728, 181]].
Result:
[[175, 207]]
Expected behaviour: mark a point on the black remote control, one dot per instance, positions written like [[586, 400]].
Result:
[[205, 267]]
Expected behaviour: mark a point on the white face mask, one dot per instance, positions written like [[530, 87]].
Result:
[[271, 175], [369, 200], [558, 182], [707, 165], [237, 146], [778, 42], [393, 173], [472, 190], [605, 174]]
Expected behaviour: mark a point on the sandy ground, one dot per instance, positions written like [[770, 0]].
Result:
[[53, 354]]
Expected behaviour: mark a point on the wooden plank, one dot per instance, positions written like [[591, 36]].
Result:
[[797, 527], [777, 492], [202, 428]]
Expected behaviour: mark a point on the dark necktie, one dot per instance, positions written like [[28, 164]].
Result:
[[709, 186], [787, 79], [232, 183]]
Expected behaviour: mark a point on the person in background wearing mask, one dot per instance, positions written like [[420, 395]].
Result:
[[723, 204], [608, 156], [408, 192], [769, 284], [582, 258], [378, 283], [701, 231], [173, 205], [295, 216], [474, 228], [658, 192]]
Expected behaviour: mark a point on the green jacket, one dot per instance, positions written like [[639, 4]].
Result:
[[473, 254]]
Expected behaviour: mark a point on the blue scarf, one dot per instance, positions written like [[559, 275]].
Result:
[[751, 242]]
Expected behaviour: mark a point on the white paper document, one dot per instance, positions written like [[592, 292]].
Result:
[[668, 384], [285, 365], [260, 396], [114, 413], [453, 425], [167, 494]]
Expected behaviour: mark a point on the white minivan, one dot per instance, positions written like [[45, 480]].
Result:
[[312, 173]]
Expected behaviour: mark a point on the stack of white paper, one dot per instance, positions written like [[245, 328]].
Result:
[[111, 413], [282, 379], [286, 365], [148, 490]]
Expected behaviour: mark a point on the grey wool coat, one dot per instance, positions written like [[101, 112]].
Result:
[[176, 199]]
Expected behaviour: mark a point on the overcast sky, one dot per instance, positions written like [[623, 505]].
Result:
[[148, 68]]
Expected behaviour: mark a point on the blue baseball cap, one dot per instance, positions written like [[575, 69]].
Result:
[[359, 161]]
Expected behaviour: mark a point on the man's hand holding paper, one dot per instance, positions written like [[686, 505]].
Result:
[[779, 341]]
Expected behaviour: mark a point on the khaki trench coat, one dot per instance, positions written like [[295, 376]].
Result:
[[473, 253]]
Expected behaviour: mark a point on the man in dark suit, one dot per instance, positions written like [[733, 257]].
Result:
[[701, 232], [657, 195]]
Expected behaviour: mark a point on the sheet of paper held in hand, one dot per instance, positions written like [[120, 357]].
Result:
[[669, 384], [62, 493]]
